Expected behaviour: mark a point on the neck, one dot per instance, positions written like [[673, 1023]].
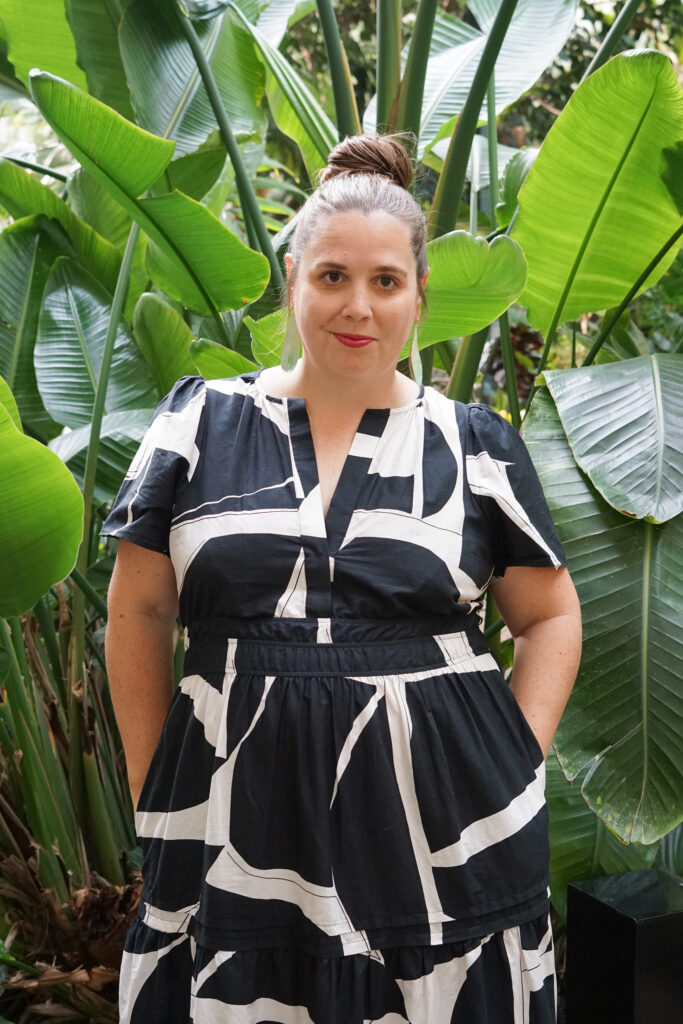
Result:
[[347, 395]]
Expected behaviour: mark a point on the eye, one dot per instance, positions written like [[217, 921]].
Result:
[[386, 282], [331, 276]]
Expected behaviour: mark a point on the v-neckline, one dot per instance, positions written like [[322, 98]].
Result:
[[344, 499]]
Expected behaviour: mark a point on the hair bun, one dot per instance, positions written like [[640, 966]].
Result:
[[367, 154]]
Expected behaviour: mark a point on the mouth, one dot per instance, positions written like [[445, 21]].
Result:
[[353, 340]]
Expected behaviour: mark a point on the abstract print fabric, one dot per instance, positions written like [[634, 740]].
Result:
[[344, 777]]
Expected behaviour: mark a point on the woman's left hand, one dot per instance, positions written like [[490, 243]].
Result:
[[541, 609]]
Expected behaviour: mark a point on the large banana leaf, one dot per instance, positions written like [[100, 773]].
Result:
[[94, 25], [279, 15], [164, 340], [168, 94], [213, 360], [40, 38], [120, 437], [296, 112], [624, 422], [192, 256], [41, 519], [581, 845], [72, 328], [594, 209], [470, 283], [28, 249], [624, 719], [22, 195], [536, 34]]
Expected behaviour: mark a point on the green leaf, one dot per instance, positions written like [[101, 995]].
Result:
[[513, 179], [22, 195], [120, 438], [295, 111], [279, 15], [41, 39], [195, 173], [625, 715], [673, 173], [9, 404], [164, 340], [585, 236], [624, 422], [28, 249], [168, 94], [267, 335], [626, 340], [470, 283], [94, 24], [68, 354], [215, 361], [192, 256], [581, 845], [41, 519], [536, 34], [97, 207]]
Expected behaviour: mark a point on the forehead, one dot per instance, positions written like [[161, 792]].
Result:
[[355, 238]]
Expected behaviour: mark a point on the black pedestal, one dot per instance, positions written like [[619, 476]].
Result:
[[625, 949]]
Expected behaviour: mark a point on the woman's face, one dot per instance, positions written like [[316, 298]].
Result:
[[355, 295]]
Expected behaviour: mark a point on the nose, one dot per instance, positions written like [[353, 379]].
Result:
[[357, 305]]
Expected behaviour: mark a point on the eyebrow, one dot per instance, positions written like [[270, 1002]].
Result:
[[384, 269]]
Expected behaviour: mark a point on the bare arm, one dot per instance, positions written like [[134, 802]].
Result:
[[541, 610], [143, 605]]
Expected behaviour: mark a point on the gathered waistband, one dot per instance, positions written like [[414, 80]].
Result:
[[331, 646]]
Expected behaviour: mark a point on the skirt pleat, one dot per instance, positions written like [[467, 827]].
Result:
[[507, 977]]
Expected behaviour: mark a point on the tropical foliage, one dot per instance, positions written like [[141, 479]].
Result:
[[189, 139]]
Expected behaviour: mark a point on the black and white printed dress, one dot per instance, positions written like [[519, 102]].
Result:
[[344, 820]]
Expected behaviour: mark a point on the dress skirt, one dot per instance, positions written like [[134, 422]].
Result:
[[342, 832]]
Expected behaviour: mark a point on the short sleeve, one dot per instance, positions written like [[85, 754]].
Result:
[[501, 475], [143, 508]]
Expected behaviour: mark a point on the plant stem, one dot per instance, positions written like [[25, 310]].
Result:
[[348, 121], [494, 628], [492, 136], [409, 109], [447, 350], [38, 168], [47, 631], [510, 374], [607, 327], [452, 178], [250, 206], [96, 601], [427, 357], [613, 37], [466, 365], [388, 60]]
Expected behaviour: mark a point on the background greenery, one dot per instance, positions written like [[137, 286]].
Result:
[[152, 170]]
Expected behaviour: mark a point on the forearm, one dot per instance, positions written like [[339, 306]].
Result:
[[547, 656], [139, 651]]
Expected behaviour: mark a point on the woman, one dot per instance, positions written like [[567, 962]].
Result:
[[344, 817]]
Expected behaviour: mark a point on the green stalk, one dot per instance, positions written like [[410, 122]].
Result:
[[77, 652], [494, 628], [348, 121], [101, 831], [452, 178], [607, 327], [409, 109], [492, 137], [38, 168], [466, 365], [509, 366], [47, 631], [250, 206], [95, 600], [614, 36], [388, 60]]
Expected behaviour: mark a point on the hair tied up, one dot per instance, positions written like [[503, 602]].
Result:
[[362, 154]]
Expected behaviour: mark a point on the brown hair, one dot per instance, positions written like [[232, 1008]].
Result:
[[365, 174]]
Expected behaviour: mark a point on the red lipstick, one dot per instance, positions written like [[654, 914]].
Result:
[[354, 340]]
